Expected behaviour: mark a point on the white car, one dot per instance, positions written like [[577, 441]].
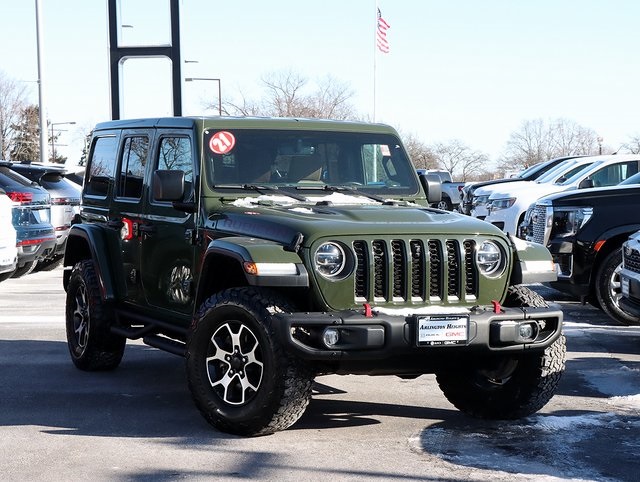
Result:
[[8, 249], [507, 208], [564, 170]]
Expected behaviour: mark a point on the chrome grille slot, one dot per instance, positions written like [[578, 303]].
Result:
[[417, 270], [453, 269], [380, 270], [470, 274], [539, 223], [399, 289], [435, 270], [361, 281]]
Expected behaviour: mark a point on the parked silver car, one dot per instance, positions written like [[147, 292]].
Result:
[[65, 203]]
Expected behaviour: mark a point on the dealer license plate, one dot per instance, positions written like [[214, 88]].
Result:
[[442, 330]]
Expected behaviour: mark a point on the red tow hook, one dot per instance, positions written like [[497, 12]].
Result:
[[367, 311], [496, 306]]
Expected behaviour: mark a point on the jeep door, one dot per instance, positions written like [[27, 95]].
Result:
[[167, 234], [125, 212]]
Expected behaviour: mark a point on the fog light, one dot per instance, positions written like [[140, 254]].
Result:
[[527, 331], [330, 337]]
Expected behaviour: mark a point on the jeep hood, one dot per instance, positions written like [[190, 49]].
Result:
[[284, 223]]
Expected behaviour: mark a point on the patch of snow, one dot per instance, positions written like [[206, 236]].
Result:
[[552, 423], [628, 401], [334, 198]]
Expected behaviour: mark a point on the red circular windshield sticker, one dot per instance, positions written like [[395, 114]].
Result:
[[222, 142]]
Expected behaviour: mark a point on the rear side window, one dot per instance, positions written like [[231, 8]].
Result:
[[134, 160], [102, 166], [12, 180]]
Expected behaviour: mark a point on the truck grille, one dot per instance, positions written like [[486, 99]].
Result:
[[415, 270], [539, 221], [631, 260]]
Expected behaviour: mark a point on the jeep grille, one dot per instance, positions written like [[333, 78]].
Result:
[[415, 270]]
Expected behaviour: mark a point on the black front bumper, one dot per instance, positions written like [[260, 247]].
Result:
[[379, 337]]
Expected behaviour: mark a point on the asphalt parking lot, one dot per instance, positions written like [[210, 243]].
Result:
[[139, 423]]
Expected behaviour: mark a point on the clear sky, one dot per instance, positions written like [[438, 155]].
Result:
[[472, 70]]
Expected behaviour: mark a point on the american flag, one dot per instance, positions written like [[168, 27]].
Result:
[[381, 34]]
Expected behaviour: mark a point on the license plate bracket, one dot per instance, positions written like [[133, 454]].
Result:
[[436, 330]]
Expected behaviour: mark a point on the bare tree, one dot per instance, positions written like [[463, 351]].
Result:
[[570, 138], [419, 153], [458, 158], [528, 145], [536, 141], [286, 96], [632, 145], [12, 103]]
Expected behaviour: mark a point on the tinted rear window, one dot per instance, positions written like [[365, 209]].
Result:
[[12, 180]]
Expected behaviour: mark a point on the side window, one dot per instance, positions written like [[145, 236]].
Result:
[[175, 154], [102, 166], [614, 174], [134, 159]]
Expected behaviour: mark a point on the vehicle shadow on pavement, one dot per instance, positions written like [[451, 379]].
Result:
[[147, 396], [327, 414]]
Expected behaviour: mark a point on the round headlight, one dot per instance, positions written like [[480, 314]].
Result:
[[489, 258], [330, 260]]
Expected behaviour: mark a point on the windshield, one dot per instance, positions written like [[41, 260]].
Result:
[[245, 158], [567, 177], [553, 174]]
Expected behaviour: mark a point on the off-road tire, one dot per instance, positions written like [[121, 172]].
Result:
[[24, 270], [88, 319], [241, 379], [608, 289], [507, 386]]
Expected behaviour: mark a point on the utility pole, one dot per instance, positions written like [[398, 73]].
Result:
[[42, 108]]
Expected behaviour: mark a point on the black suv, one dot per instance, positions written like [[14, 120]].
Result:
[[65, 203], [585, 231], [31, 215], [268, 251]]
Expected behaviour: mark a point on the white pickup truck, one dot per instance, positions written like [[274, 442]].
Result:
[[450, 190]]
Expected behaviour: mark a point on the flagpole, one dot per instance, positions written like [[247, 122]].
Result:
[[374, 62]]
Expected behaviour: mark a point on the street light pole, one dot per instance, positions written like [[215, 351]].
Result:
[[191, 79], [53, 137], [42, 106]]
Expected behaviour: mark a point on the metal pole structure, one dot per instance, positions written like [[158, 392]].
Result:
[[191, 79], [42, 108]]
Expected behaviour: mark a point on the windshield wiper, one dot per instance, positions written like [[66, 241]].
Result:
[[263, 189], [350, 189]]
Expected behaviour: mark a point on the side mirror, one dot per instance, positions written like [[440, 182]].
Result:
[[432, 187], [168, 185], [585, 184]]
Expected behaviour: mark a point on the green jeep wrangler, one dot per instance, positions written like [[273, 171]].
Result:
[[269, 251]]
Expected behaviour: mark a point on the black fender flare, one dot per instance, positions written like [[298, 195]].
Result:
[[242, 250], [89, 241]]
